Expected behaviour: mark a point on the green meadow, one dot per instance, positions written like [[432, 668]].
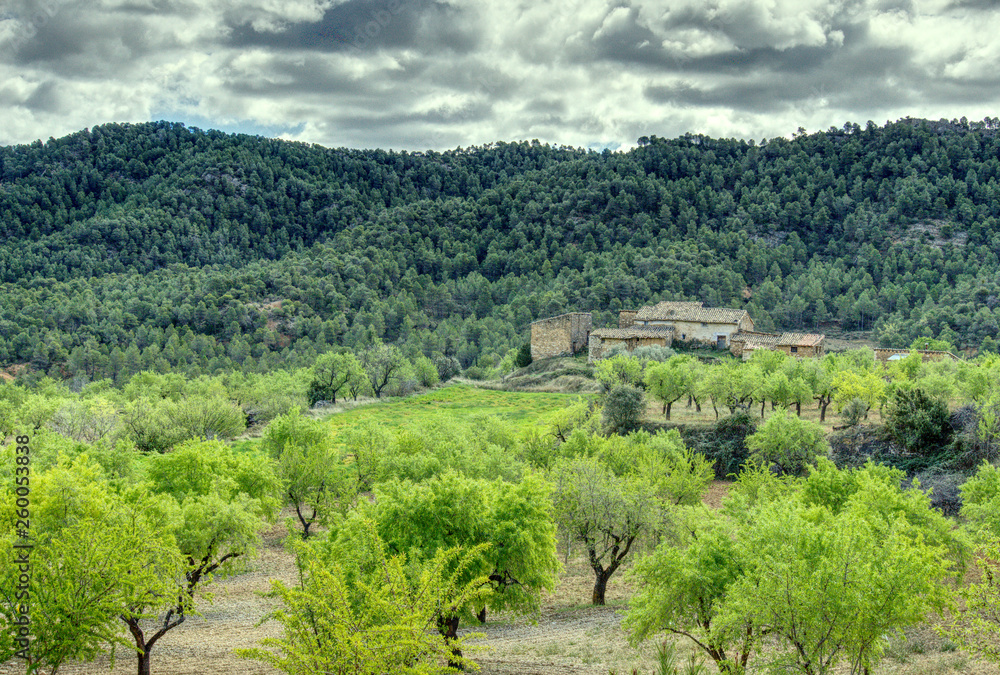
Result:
[[457, 402]]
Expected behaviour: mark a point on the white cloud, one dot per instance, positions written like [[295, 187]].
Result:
[[434, 73]]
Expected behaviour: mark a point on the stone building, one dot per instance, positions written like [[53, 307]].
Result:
[[604, 340], [793, 344], [692, 322], [563, 335], [660, 325]]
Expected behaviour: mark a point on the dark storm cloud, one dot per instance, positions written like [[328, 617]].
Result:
[[363, 25]]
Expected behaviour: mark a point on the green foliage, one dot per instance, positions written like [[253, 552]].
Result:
[[976, 627], [620, 369], [724, 443], [623, 409], [523, 359], [928, 343], [670, 380], [425, 372], [981, 502], [605, 512], [854, 412], [333, 373], [365, 613], [450, 255], [293, 429], [826, 571], [684, 589], [95, 555], [917, 422], [788, 443], [314, 477], [508, 525]]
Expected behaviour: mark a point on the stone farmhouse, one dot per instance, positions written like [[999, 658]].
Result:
[[792, 344], [660, 325]]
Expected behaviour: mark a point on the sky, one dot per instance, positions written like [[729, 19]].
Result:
[[438, 74]]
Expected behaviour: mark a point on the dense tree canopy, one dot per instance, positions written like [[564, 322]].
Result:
[[163, 247]]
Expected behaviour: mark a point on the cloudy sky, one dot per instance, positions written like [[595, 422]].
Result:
[[419, 74]]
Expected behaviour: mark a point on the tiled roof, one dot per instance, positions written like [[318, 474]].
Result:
[[634, 332], [756, 340], [689, 311]]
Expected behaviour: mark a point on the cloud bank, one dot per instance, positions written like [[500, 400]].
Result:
[[419, 74]]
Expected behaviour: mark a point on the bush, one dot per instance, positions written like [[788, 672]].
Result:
[[724, 444], [425, 372], [653, 353], [855, 411], [523, 358], [623, 409], [918, 423], [447, 366], [788, 443]]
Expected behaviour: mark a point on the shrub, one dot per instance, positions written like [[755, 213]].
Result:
[[623, 409], [855, 411], [918, 423], [724, 444], [523, 358], [653, 353], [788, 443]]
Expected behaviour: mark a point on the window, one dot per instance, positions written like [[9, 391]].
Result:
[[795, 350]]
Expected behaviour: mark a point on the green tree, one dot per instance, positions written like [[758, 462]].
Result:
[[94, 555], [332, 373], [512, 521], [917, 422], [383, 364], [684, 589], [669, 381], [826, 571], [365, 613], [788, 442], [605, 512], [620, 369], [224, 501], [623, 409], [313, 475]]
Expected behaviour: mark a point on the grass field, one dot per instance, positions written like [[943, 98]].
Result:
[[456, 402]]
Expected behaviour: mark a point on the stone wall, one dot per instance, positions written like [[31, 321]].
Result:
[[562, 335], [626, 317]]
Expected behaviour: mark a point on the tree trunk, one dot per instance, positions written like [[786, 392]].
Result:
[[142, 649], [600, 586], [822, 410], [762, 404], [449, 629], [143, 663], [798, 408], [481, 615]]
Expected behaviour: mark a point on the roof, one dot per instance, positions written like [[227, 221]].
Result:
[[559, 316], [634, 332], [690, 311], [753, 340]]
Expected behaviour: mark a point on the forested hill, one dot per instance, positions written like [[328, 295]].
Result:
[[163, 246]]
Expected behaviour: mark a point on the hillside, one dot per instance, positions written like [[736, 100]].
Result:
[[158, 246]]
